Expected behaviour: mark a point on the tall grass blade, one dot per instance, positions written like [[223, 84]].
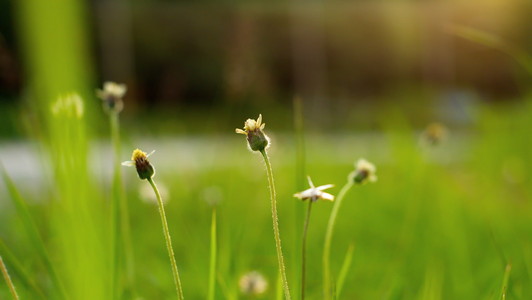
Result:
[[8, 280], [31, 229], [212, 263], [505, 280], [20, 270], [493, 41], [344, 270]]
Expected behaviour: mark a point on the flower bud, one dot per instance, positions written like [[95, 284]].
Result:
[[139, 159], [364, 172], [257, 140]]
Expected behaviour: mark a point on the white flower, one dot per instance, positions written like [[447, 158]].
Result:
[[253, 130], [112, 95], [252, 283], [315, 193], [364, 172]]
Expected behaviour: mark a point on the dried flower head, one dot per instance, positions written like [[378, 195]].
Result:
[[70, 106], [364, 172], [252, 283], [434, 134], [315, 193], [257, 140], [139, 159], [112, 95]]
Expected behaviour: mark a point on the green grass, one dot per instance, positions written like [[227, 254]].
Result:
[[441, 223]]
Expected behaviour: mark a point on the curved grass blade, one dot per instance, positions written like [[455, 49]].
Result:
[[31, 229], [344, 270]]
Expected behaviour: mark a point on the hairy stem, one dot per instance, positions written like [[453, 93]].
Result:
[[327, 291], [304, 250], [166, 232], [8, 280], [275, 220]]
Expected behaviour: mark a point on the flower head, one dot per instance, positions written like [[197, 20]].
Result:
[[315, 193], [112, 95], [434, 134], [70, 106], [364, 172], [139, 159], [257, 140], [252, 283]]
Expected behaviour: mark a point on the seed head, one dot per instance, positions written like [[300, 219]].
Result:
[[257, 140], [111, 96], [315, 193], [364, 172], [253, 284], [139, 159]]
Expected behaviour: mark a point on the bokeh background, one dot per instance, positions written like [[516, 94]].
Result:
[[365, 78]]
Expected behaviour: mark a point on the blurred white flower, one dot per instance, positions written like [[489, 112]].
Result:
[[252, 283], [69, 106], [364, 172], [111, 95]]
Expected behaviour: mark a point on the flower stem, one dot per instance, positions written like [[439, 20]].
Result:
[[8, 280], [275, 220], [166, 232], [120, 214], [327, 291], [212, 268], [304, 250]]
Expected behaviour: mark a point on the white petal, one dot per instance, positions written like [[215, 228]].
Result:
[[327, 196], [324, 187], [310, 182], [128, 163], [148, 155]]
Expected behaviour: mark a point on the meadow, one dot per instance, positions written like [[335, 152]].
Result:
[[449, 220]]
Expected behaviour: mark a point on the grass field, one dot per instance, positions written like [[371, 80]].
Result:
[[449, 221]]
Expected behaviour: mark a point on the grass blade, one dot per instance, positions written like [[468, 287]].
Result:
[[505, 279], [212, 264], [31, 229], [344, 270]]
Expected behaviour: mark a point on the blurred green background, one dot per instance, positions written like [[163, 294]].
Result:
[[444, 221]]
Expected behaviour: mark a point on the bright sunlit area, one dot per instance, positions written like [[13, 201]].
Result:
[[213, 149]]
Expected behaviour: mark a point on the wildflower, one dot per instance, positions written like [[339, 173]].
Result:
[[257, 140], [364, 172], [139, 159], [69, 106], [434, 134], [253, 283], [112, 95], [315, 193]]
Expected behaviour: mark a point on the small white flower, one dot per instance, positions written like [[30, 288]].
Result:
[[315, 193], [252, 283], [112, 95], [364, 172]]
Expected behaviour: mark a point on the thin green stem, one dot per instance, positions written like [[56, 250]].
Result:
[[304, 250], [275, 220], [505, 279], [212, 268], [166, 232], [120, 213], [328, 239], [8, 279]]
